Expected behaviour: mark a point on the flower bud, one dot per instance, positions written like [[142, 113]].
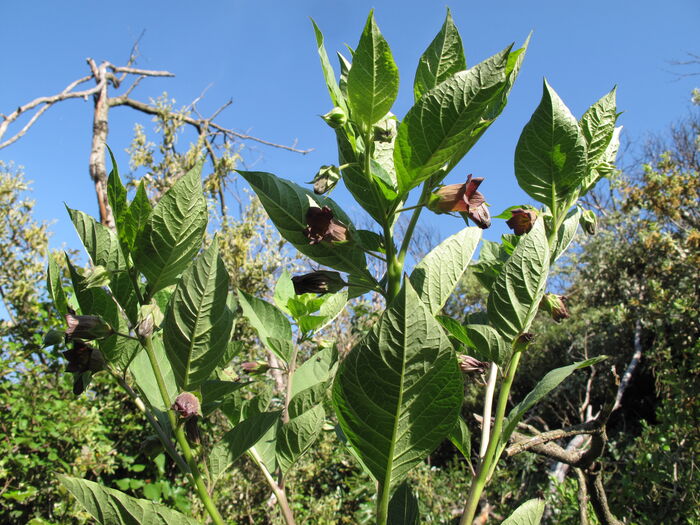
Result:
[[186, 405], [468, 364], [96, 278], [588, 222], [325, 179], [383, 134], [86, 327], [320, 282], [555, 305], [521, 220], [255, 367], [335, 118]]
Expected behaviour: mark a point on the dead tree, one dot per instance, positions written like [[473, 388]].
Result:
[[108, 79]]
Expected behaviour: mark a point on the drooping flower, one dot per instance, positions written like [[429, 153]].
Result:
[[463, 198], [86, 327], [468, 364], [322, 226], [255, 367], [83, 358], [186, 405], [320, 281], [522, 220]]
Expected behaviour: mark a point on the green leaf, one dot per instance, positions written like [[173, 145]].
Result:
[[435, 277], [492, 256], [100, 242], [236, 441], [136, 217], [373, 80], [519, 287], [443, 58], [284, 291], [272, 326], [550, 158], [286, 203], [97, 301], [529, 513], [605, 166], [173, 233], [398, 392], [447, 121], [319, 368], [112, 507], [296, 437], [548, 383], [487, 343], [455, 329], [55, 286], [198, 323], [214, 391], [598, 127], [566, 233], [328, 74], [403, 507], [116, 193], [461, 438]]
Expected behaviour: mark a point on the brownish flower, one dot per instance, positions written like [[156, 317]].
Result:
[[468, 364], [86, 327], [186, 405], [463, 198], [321, 281], [255, 367], [321, 226], [522, 220], [83, 358]]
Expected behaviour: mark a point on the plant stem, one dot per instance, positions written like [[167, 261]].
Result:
[[478, 483], [488, 403], [164, 438], [413, 222], [180, 437], [278, 492], [383, 493]]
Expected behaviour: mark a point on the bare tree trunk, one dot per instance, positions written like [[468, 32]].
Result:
[[100, 129]]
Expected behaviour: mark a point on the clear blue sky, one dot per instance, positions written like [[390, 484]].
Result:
[[262, 55]]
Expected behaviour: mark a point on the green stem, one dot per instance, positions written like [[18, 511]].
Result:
[[280, 494], [478, 483], [413, 222], [383, 493], [195, 474]]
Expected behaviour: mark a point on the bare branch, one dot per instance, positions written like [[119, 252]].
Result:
[[632, 366], [136, 71]]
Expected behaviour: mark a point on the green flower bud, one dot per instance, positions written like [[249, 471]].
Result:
[[383, 134], [325, 179], [588, 222], [255, 367], [335, 118], [556, 306], [53, 337]]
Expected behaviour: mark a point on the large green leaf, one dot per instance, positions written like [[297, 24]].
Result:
[[488, 343], [435, 277], [112, 507], [272, 326], [447, 120], [328, 74], [403, 507], [214, 391], [566, 233], [296, 436], [519, 287], [319, 368], [197, 325], [548, 383], [173, 233], [373, 80], [550, 158], [398, 393], [287, 203], [136, 217], [443, 58], [236, 441], [529, 513]]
